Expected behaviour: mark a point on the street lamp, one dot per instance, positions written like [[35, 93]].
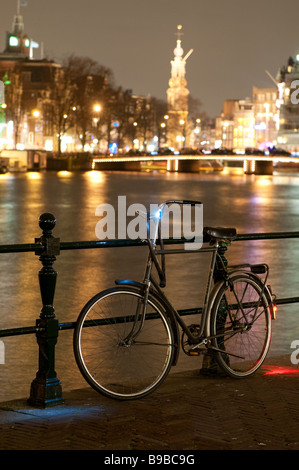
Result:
[[163, 127], [134, 140], [182, 122], [97, 108], [35, 132]]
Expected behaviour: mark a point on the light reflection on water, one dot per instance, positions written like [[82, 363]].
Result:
[[250, 203]]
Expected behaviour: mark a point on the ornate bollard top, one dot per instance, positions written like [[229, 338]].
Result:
[[47, 222]]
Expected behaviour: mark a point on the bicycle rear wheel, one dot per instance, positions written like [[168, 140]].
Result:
[[241, 324], [113, 357]]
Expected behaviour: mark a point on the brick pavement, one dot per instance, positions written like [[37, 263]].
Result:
[[188, 412]]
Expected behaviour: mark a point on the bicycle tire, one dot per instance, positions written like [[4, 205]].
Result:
[[109, 365], [239, 331]]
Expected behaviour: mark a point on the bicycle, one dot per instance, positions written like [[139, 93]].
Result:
[[127, 338]]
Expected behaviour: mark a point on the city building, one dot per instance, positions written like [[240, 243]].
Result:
[[249, 123], [288, 103], [224, 126], [26, 116], [266, 117], [235, 126]]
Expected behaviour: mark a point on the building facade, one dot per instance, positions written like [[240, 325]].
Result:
[[266, 117], [249, 123], [235, 126], [288, 103], [27, 118]]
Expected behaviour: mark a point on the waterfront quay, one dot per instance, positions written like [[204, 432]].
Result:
[[188, 413]]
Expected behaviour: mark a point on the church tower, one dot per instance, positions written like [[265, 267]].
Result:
[[19, 46], [17, 43], [177, 97]]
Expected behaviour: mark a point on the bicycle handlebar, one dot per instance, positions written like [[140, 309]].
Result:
[[183, 201]]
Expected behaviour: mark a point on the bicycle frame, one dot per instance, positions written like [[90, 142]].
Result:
[[149, 283]]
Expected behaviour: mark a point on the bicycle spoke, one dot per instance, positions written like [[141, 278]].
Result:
[[121, 354]]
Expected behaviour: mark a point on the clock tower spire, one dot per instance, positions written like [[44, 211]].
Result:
[[177, 96]]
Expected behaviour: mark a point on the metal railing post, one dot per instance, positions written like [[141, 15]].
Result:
[[46, 388]]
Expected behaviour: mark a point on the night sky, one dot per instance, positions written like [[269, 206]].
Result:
[[234, 42]]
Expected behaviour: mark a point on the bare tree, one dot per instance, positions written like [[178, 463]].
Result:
[[61, 97], [92, 84], [13, 94]]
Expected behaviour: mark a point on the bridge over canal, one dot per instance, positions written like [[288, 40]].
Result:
[[251, 164]]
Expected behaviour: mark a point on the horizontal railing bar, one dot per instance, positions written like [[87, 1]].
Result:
[[139, 242], [266, 236], [84, 245], [290, 300], [18, 331], [94, 244], [71, 325], [20, 248]]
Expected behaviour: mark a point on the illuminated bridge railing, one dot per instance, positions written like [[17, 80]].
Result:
[[231, 157], [252, 164]]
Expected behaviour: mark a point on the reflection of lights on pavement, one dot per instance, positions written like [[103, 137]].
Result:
[[34, 175], [279, 370], [95, 176], [264, 182], [64, 174]]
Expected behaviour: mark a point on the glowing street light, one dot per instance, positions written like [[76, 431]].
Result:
[[182, 122]]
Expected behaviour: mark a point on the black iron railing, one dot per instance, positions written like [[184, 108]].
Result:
[[46, 388]]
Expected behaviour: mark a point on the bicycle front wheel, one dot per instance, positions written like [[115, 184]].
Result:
[[241, 326], [120, 353]]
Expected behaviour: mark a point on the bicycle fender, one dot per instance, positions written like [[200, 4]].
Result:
[[212, 298], [269, 296], [128, 282], [160, 301]]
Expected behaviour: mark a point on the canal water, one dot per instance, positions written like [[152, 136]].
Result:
[[250, 203]]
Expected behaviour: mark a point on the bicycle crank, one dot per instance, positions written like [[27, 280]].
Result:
[[190, 348]]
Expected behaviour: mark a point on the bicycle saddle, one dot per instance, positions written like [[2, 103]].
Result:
[[220, 232]]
